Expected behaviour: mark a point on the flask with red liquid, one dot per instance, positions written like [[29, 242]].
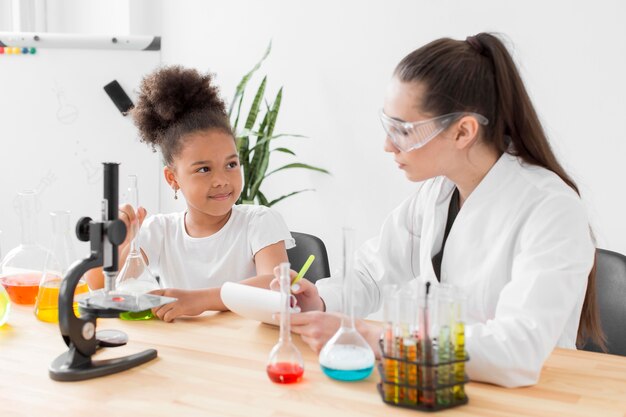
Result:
[[285, 365]]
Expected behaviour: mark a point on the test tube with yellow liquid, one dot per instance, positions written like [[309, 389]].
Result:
[[458, 339], [390, 365]]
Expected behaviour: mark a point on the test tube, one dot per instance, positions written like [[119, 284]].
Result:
[[390, 365], [402, 334], [410, 342], [445, 304], [458, 338], [428, 336]]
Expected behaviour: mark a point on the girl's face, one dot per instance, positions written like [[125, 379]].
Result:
[[432, 159], [207, 171]]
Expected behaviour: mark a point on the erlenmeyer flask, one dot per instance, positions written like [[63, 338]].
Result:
[[285, 365], [22, 267], [5, 301], [347, 356], [135, 277], [57, 264]]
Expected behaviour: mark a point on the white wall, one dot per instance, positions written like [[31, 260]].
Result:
[[88, 16], [6, 16], [334, 60], [122, 17]]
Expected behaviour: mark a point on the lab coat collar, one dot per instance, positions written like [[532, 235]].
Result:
[[436, 212]]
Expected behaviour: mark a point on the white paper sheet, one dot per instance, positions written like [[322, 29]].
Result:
[[252, 302]]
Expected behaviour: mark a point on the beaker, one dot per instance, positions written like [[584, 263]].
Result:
[[347, 356], [57, 264], [135, 277], [285, 365], [22, 267]]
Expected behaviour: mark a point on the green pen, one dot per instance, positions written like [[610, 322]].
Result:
[[303, 270]]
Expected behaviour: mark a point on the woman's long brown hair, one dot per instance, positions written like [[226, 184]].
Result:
[[479, 75]]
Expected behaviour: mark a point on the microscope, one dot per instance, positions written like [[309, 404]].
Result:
[[79, 333]]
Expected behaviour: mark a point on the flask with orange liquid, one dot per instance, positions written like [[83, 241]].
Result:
[[57, 264], [21, 268]]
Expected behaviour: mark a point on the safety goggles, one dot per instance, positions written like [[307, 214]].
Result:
[[407, 136]]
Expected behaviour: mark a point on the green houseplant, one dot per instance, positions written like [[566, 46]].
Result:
[[254, 137]]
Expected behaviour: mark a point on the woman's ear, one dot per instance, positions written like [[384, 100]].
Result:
[[170, 177], [467, 132]]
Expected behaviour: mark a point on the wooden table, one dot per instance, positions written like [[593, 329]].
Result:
[[214, 365]]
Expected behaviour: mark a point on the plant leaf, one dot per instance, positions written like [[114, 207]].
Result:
[[274, 112], [297, 165], [256, 104], [251, 173], [234, 125], [271, 203], [262, 199], [284, 150], [262, 141], [244, 81], [261, 167]]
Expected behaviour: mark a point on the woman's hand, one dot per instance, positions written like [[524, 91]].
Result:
[[305, 292], [316, 328], [189, 303]]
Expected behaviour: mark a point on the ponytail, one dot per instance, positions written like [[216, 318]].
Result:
[[478, 75]]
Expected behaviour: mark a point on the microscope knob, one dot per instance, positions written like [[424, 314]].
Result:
[[116, 231], [82, 229]]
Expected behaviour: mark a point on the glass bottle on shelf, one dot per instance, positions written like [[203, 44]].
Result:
[[22, 267], [285, 363], [347, 356], [57, 264], [135, 277]]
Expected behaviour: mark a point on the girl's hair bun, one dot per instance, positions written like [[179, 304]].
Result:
[[170, 94]]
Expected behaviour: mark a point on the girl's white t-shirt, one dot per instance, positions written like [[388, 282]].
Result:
[[186, 262]]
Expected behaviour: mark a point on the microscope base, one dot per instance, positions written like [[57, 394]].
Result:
[[73, 366]]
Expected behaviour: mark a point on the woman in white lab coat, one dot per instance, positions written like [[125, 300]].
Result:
[[494, 214]]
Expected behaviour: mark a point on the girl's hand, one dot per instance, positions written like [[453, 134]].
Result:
[[305, 292], [128, 215], [189, 303]]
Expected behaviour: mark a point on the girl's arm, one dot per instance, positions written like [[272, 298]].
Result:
[[194, 302], [95, 276]]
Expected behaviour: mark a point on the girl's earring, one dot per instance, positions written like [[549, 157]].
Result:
[[175, 193]]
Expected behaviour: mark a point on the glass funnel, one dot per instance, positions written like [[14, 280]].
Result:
[[5, 301], [285, 365], [347, 356], [22, 267], [57, 263], [135, 277]]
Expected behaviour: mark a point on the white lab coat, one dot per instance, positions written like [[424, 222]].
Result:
[[520, 248]]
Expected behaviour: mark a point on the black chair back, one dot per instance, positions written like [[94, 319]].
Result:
[[309, 245], [611, 300]]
